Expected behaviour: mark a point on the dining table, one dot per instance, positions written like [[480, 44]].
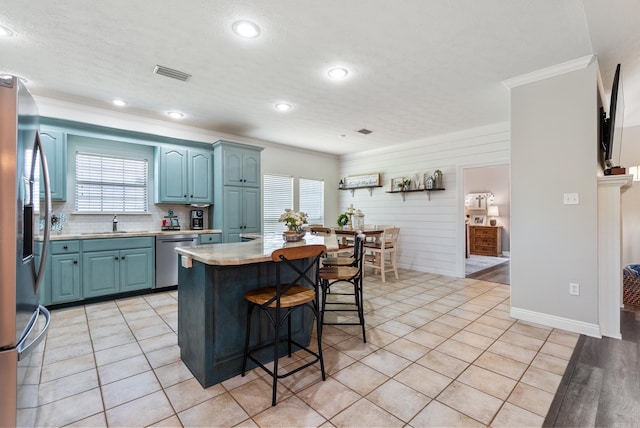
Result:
[[345, 236]]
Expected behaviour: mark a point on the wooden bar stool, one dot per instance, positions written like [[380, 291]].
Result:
[[332, 275], [279, 301]]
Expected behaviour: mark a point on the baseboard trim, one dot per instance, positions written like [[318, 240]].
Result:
[[588, 329]]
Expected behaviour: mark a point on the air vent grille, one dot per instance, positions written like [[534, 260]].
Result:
[[365, 131], [170, 72]]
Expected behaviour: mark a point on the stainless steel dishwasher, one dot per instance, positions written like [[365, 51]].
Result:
[[167, 258]]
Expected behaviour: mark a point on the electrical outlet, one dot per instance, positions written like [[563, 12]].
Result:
[[574, 289]]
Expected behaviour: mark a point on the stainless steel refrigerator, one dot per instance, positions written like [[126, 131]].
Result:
[[23, 322]]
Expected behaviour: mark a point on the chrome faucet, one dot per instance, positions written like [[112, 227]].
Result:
[[115, 223]]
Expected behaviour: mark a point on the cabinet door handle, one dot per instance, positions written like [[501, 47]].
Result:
[[65, 247], [116, 257], [185, 196], [122, 258], [75, 262], [191, 196]]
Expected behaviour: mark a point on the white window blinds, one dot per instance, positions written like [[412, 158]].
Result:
[[110, 184], [278, 195], [312, 200]]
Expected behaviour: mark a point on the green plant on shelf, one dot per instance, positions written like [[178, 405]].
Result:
[[343, 220], [405, 184]]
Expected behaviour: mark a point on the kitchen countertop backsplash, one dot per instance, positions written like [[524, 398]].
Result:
[[84, 224]]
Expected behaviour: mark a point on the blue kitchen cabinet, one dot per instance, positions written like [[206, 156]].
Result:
[[65, 278], [136, 269], [61, 282], [54, 145], [200, 177], [209, 238], [117, 265], [183, 175], [241, 212], [240, 164], [100, 274], [237, 205]]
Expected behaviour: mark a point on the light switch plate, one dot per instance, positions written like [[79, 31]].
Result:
[[571, 199]]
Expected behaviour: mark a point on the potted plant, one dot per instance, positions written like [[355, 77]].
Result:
[[405, 184]]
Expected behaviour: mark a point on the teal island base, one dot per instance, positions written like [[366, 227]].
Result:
[[212, 318]]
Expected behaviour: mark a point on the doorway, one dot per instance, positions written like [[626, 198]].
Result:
[[486, 191]]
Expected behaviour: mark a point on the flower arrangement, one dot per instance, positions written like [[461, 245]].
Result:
[[293, 219]]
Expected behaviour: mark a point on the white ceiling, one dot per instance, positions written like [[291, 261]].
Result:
[[418, 68]]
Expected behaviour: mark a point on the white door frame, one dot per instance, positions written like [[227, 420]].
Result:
[[460, 251]]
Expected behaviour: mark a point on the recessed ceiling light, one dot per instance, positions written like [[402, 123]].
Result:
[[5, 32], [175, 115], [246, 29], [119, 103], [283, 106], [338, 72]]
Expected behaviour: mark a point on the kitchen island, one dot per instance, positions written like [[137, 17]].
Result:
[[212, 311]]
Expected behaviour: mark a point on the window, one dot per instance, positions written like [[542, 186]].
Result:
[[278, 195], [111, 184], [312, 200]]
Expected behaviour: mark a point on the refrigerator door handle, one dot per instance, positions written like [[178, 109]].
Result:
[[24, 348], [47, 213]]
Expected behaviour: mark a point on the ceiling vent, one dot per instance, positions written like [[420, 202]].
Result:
[[365, 131], [170, 72]]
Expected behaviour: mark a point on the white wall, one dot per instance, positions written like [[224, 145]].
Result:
[[276, 158], [630, 156], [431, 232], [553, 151]]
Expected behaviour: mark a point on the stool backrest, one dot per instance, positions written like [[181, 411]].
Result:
[[285, 257]]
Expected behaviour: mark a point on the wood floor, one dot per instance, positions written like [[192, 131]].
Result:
[[601, 386], [499, 274]]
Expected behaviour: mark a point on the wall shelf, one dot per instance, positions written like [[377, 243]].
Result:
[[353, 189], [427, 191]]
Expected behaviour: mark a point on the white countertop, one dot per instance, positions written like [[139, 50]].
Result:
[[257, 251], [126, 234]]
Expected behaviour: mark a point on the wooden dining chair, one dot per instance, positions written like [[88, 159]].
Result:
[[280, 300], [378, 251]]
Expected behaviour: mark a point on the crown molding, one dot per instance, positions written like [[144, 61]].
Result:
[[545, 73]]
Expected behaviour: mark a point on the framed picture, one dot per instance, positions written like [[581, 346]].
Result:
[[476, 201], [395, 184], [174, 222], [478, 220], [356, 181]]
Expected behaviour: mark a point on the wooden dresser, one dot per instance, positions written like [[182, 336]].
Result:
[[485, 240]]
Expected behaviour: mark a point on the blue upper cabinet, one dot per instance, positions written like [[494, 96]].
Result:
[[240, 165], [183, 175], [55, 149], [200, 177]]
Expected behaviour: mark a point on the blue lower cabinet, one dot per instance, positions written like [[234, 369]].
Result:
[[117, 265], [136, 269], [65, 278], [101, 275], [209, 238]]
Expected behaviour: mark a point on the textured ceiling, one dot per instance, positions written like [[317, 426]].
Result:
[[418, 68]]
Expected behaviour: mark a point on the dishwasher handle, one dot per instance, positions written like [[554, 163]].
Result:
[[178, 240]]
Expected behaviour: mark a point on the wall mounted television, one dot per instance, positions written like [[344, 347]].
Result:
[[611, 128]]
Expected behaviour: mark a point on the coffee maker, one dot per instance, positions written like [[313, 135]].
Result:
[[197, 220]]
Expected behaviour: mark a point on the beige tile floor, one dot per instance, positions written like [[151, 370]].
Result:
[[441, 351]]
